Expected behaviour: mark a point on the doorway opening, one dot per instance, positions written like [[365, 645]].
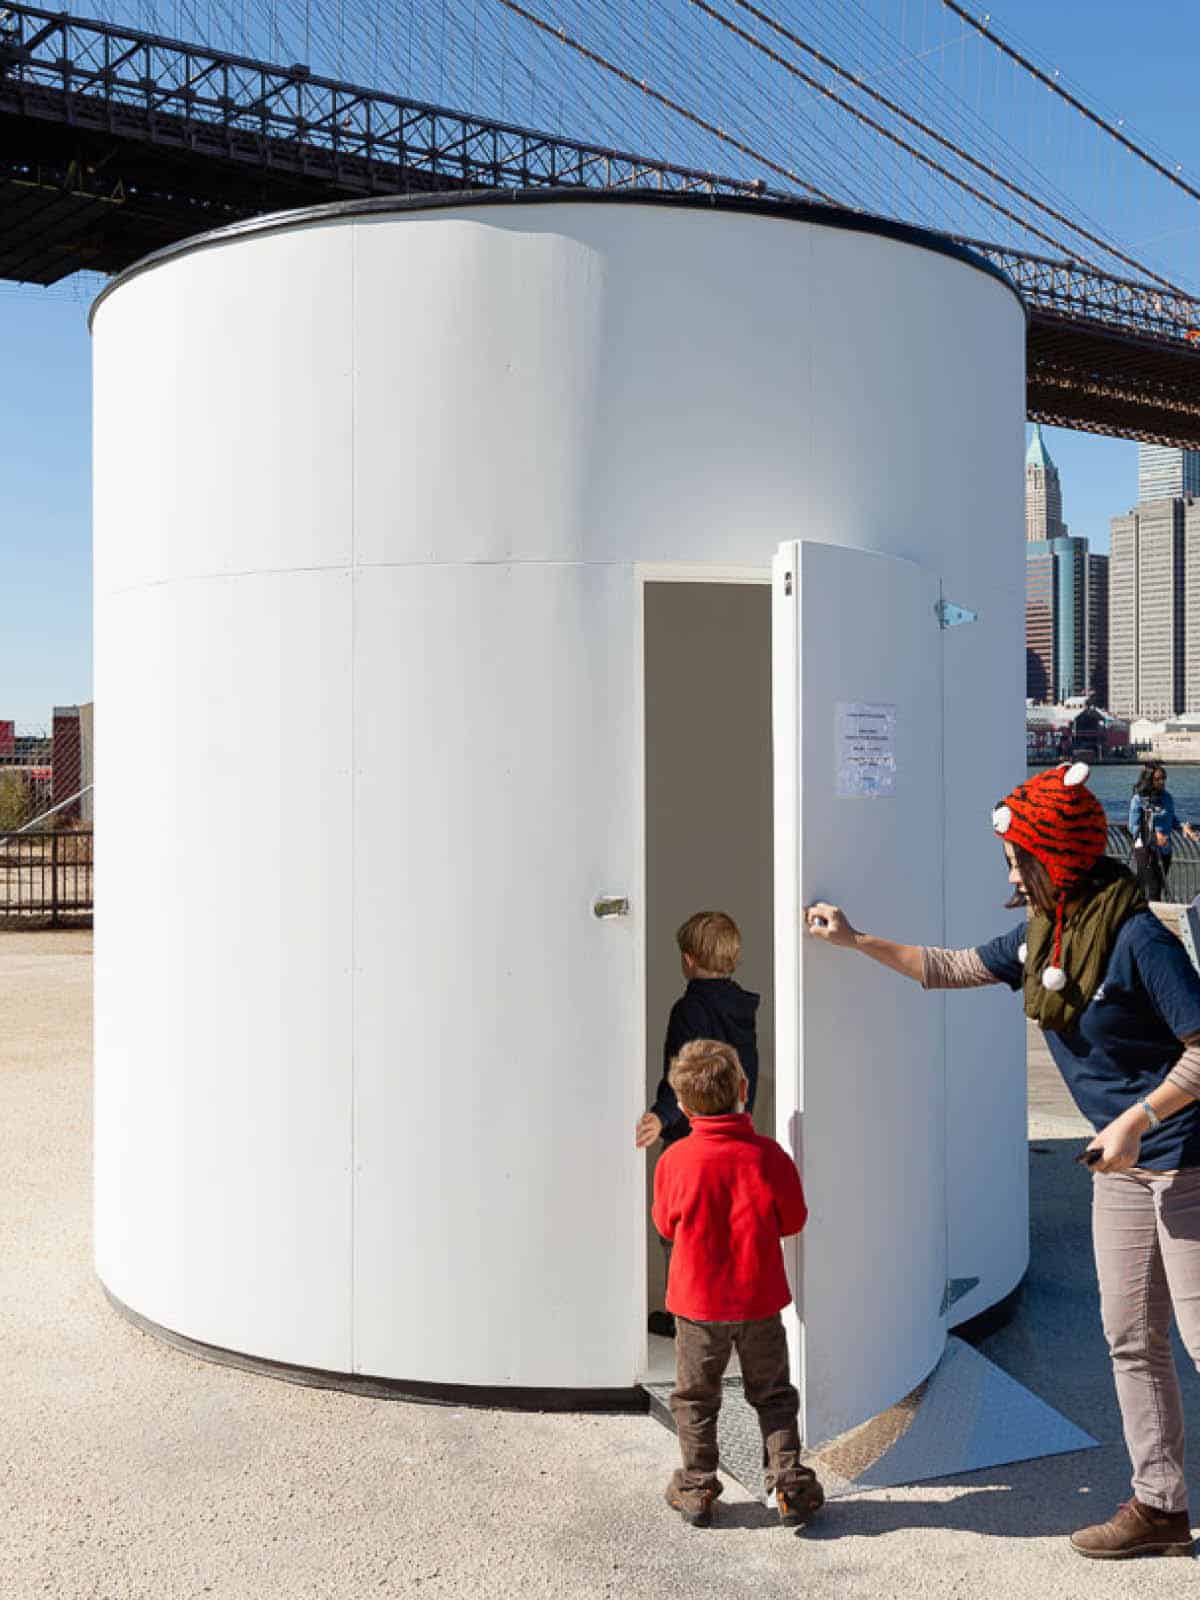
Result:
[[709, 831]]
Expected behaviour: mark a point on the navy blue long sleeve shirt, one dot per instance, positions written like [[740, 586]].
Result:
[[709, 1008]]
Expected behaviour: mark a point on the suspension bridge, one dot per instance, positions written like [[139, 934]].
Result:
[[117, 140]]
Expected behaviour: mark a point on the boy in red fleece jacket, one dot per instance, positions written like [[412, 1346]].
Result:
[[725, 1198]]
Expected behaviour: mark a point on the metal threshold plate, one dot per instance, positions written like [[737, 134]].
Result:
[[967, 1415]]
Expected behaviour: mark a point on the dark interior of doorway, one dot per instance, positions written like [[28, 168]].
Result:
[[709, 828]]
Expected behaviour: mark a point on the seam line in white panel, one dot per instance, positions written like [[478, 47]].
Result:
[[353, 743], [943, 935], [663, 571]]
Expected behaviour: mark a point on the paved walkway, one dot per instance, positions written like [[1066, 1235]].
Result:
[[1051, 1109], [129, 1471]]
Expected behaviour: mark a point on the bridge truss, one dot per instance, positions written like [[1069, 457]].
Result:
[[116, 142]]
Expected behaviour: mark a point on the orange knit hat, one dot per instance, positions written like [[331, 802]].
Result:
[[1057, 818]]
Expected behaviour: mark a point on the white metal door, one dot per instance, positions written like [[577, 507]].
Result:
[[860, 1050]]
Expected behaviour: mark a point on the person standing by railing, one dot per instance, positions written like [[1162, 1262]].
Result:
[[1152, 823]]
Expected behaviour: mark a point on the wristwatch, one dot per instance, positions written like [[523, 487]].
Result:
[[1155, 1119]]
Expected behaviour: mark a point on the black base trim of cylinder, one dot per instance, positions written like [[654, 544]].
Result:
[[991, 1319], [492, 1397]]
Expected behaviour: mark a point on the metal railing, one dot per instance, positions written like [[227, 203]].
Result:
[[211, 101], [1183, 880], [46, 876], [1069, 289]]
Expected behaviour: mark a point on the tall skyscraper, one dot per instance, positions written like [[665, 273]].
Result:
[[1096, 618], [1066, 594], [1039, 623], [1191, 605], [1043, 492], [1154, 609], [1057, 573], [1165, 474]]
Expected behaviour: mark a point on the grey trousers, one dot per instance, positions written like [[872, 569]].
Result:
[[1146, 1231], [702, 1352]]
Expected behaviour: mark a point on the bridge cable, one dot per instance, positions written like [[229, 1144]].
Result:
[[1064, 94], [948, 144], [741, 93], [961, 183], [911, 149], [672, 105]]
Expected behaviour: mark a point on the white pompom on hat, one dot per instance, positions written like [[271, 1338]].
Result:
[[1054, 979]]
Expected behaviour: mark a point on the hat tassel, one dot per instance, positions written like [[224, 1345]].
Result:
[[1053, 976]]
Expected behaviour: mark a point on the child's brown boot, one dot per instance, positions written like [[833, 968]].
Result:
[[798, 1496], [693, 1505]]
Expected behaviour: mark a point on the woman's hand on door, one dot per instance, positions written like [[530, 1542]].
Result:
[[829, 923]]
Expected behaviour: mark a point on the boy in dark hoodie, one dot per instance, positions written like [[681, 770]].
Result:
[[712, 1006]]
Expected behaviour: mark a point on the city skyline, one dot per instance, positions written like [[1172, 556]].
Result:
[[1123, 629]]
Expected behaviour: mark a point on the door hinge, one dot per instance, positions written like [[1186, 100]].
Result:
[[950, 615]]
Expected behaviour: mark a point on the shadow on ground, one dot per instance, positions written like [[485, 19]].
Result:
[[1054, 1345]]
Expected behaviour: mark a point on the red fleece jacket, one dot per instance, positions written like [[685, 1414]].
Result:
[[725, 1197]]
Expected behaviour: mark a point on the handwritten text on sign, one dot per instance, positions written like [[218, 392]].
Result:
[[866, 749]]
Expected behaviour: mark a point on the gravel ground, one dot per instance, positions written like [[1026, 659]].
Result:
[[129, 1471]]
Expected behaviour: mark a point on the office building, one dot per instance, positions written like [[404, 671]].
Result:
[[1043, 492], [1166, 474], [1154, 609], [1096, 629], [1060, 644]]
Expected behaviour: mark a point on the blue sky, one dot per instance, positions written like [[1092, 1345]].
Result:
[[1138, 63]]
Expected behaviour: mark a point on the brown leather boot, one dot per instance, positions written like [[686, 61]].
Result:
[[1136, 1530], [693, 1505], [798, 1497]]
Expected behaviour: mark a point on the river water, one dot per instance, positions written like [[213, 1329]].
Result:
[[1113, 787]]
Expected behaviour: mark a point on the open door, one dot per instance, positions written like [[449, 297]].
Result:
[[860, 1051]]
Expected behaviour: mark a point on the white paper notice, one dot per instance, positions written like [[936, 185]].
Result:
[[866, 749]]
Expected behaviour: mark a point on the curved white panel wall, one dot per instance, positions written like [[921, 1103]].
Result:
[[370, 489]]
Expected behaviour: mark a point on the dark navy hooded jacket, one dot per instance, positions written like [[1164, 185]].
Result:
[[709, 1008]]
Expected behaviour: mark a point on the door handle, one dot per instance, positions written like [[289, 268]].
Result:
[[611, 905]]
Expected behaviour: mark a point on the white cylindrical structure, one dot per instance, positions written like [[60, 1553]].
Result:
[[374, 486]]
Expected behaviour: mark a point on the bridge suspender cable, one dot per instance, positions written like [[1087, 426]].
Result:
[[932, 133], [886, 133], [757, 155], [640, 84], [1063, 94], [911, 149]]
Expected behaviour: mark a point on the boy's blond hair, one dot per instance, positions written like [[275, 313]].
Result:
[[707, 1076], [712, 940]]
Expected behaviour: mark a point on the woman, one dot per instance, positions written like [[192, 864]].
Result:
[[1119, 1002], [1152, 821]]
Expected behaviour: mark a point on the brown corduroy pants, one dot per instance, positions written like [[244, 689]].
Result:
[[702, 1352]]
